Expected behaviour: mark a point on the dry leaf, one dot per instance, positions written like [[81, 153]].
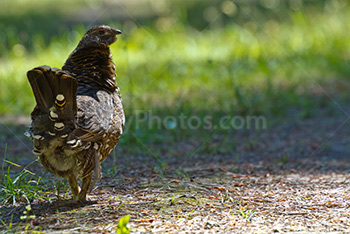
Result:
[[221, 188]]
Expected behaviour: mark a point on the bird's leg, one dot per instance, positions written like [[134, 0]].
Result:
[[97, 172], [84, 188], [74, 186]]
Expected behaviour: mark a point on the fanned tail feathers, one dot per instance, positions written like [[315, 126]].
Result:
[[54, 87], [55, 93]]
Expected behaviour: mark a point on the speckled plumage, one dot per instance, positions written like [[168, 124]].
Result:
[[79, 116]]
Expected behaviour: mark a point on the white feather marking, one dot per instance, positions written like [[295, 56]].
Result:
[[96, 146], [64, 136], [36, 151], [59, 126], [27, 134], [51, 133], [60, 97], [38, 137], [77, 144], [53, 115], [71, 142]]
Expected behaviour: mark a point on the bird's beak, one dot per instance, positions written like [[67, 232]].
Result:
[[117, 32]]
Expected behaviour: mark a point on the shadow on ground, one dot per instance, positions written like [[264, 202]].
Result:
[[292, 176]]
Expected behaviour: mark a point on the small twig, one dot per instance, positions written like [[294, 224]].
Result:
[[299, 213]]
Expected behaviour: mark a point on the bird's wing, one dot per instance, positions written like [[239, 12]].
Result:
[[97, 116]]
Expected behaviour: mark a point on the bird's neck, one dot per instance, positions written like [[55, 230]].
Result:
[[92, 66]]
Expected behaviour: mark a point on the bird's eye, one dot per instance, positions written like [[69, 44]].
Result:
[[101, 32]]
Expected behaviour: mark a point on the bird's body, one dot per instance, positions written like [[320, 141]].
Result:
[[79, 117]]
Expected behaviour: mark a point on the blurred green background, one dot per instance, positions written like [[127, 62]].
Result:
[[267, 57]]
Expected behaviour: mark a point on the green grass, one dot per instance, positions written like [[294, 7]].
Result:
[[268, 67], [123, 224], [19, 187], [22, 187], [260, 67]]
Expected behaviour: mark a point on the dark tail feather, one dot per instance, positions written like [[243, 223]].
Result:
[[55, 92]]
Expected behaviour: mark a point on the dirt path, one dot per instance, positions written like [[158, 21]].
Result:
[[293, 176]]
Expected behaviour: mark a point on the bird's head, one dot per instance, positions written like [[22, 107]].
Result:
[[99, 36]]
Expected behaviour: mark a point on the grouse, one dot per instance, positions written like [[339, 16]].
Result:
[[78, 118]]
